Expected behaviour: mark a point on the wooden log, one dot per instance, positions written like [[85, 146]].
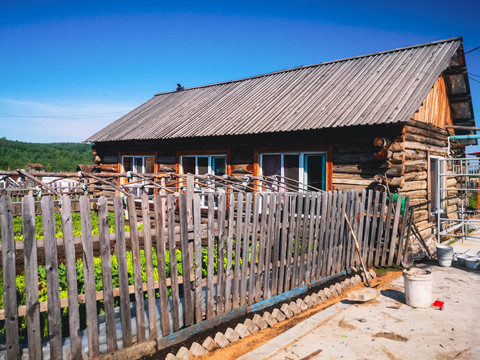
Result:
[[353, 158], [187, 290], [31, 277], [137, 268], [416, 176], [426, 140], [451, 182], [395, 170], [9, 278], [414, 193], [122, 271], [396, 181], [425, 126], [425, 147], [173, 262], [414, 185], [408, 155], [420, 215], [411, 130], [89, 277], [364, 170], [107, 284], [415, 165], [359, 182]]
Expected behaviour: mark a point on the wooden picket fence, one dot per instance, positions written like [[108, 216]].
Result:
[[261, 244]]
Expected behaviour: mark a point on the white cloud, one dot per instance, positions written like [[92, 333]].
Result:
[[35, 121]]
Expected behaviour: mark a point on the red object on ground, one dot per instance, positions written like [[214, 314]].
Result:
[[438, 304]]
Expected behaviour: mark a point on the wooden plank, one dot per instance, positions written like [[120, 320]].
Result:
[[378, 246], [321, 238], [51, 267], [89, 277], [401, 242], [228, 271], [125, 317], [311, 224], [387, 226], [343, 241], [238, 242], [326, 241], [221, 254], [31, 279], [283, 244], [353, 221], [261, 252], [276, 243], [393, 241], [291, 229], [371, 246], [245, 249], [268, 246], [9, 278], [197, 219], [315, 252], [356, 227], [361, 225], [254, 245], [306, 210], [333, 229], [103, 231], [210, 257], [147, 230], [368, 222], [137, 268], [187, 289], [173, 262]]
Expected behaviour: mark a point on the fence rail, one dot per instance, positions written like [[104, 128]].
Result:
[[188, 266]]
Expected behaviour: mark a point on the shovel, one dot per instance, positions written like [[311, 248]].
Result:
[[407, 259]]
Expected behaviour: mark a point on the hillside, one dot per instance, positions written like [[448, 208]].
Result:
[[55, 156]]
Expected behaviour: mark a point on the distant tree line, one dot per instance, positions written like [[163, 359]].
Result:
[[55, 156]]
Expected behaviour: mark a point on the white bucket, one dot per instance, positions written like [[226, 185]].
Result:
[[472, 262], [461, 259], [444, 255], [418, 287]]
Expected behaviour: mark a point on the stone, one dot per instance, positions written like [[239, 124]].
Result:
[[209, 344], [258, 320], [328, 293], [308, 300], [339, 288], [278, 315], [322, 296], [315, 298], [347, 284], [363, 295], [358, 279], [221, 340], [301, 304], [373, 274], [170, 356], [197, 350], [294, 308], [269, 319], [250, 325], [333, 289], [286, 310], [241, 330], [184, 354], [231, 335], [362, 320]]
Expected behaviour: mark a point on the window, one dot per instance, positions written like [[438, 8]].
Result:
[[437, 201], [138, 164], [295, 169]]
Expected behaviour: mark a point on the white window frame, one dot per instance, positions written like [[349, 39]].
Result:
[[125, 181], [302, 176], [439, 191]]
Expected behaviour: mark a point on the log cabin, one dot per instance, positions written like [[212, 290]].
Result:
[[381, 119]]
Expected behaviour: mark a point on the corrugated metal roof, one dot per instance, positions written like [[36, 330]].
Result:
[[383, 87]]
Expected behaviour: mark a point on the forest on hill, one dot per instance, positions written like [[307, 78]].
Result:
[[55, 156]]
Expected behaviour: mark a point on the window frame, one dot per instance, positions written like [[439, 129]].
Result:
[[439, 191], [136, 154]]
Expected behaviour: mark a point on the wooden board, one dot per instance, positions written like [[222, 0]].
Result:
[[396, 221], [261, 252], [283, 245], [228, 271], [187, 289], [245, 249], [371, 252], [254, 247], [291, 231], [210, 257], [386, 238], [221, 254], [268, 246], [173, 262], [238, 243]]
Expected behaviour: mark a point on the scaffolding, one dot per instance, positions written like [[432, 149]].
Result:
[[465, 222]]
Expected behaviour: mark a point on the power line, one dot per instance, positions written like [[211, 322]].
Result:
[[466, 52], [474, 79], [63, 117]]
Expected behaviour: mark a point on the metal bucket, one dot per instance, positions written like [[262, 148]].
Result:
[[472, 262], [418, 287]]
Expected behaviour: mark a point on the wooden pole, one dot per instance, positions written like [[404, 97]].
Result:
[[357, 247]]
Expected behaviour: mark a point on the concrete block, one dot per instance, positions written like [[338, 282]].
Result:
[[286, 310], [269, 319], [221, 340], [294, 308], [339, 288], [315, 298], [171, 357], [250, 325], [363, 295], [373, 274], [301, 304], [231, 335], [328, 293], [184, 354], [241, 330], [258, 320], [209, 344], [308, 300], [278, 315], [322, 296], [197, 350]]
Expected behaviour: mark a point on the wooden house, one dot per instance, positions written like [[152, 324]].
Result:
[[343, 124]]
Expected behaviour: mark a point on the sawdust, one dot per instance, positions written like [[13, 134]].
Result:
[[391, 336]]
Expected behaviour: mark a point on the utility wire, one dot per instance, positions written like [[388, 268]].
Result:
[[473, 79], [66, 117], [466, 52]]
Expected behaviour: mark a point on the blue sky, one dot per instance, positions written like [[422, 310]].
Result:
[[69, 68]]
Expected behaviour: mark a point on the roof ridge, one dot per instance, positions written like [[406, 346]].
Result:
[[456, 38]]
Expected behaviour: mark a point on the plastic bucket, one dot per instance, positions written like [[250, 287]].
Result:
[[444, 255], [472, 262], [418, 287], [461, 259]]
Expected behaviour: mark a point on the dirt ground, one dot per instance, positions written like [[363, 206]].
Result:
[[259, 338]]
